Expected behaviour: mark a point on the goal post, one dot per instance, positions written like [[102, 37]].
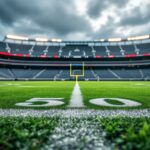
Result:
[[77, 75]]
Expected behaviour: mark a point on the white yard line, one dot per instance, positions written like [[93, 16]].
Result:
[[75, 133], [76, 98], [74, 113]]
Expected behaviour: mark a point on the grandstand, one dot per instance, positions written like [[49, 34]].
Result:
[[22, 58]]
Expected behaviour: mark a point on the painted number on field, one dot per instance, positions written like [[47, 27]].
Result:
[[125, 102], [47, 102], [41, 102]]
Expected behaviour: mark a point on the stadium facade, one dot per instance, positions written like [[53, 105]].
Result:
[[22, 58]]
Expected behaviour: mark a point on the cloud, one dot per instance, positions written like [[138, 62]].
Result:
[[49, 17], [135, 16], [67, 19], [96, 7]]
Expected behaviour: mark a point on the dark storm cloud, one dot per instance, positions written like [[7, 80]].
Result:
[[48, 16], [136, 17], [60, 18], [12, 10], [96, 7], [119, 3]]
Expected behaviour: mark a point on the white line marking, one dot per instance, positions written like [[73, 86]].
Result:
[[76, 98], [75, 133], [74, 113]]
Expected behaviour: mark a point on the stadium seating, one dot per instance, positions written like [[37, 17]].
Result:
[[90, 74], [75, 51], [103, 61]]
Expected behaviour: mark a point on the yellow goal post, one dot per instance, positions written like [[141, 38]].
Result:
[[77, 75]]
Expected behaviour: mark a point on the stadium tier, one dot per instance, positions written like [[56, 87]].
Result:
[[28, 59], [64, 74], [74, 50]]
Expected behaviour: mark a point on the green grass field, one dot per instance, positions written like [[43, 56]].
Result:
[[25, 133], [74, 133], [36, 133], [137, 91], [14, 92]]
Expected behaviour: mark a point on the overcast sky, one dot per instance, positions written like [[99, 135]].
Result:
[[75, 19]]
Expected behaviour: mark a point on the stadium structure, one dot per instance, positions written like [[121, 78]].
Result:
[[23, 58], [38, 113]]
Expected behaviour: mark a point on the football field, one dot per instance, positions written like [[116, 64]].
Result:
[[74, 115], [13, 92]]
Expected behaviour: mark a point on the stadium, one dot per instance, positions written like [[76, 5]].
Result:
[[75, 92], [23, 58]]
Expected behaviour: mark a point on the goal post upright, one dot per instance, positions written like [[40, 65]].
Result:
[[77, 75]]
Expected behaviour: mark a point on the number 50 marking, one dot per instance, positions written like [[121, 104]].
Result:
[[47, 102]]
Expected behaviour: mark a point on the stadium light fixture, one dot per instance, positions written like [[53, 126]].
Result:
[[139, 37], [114, 39], [102, 40], [41, 39], [56, 40], [15, 37]]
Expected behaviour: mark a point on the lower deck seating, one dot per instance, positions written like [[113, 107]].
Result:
[[128, 73], [64, 74], [104, 74]]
